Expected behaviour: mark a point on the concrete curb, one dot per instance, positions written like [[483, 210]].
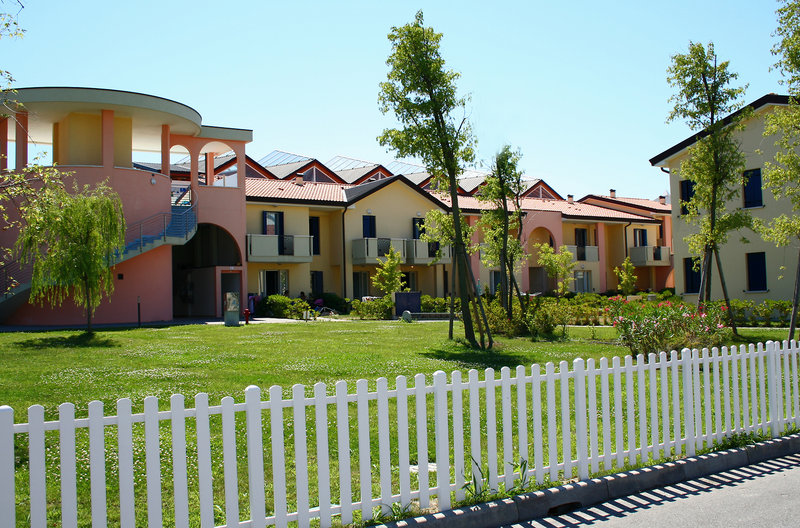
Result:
[[562, 499]]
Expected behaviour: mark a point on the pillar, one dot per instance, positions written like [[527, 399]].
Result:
[[108, 139], [3, 143], [601, 254], [21, 141], [165, 146]]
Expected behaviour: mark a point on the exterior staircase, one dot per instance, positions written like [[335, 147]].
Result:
[[175, 227]]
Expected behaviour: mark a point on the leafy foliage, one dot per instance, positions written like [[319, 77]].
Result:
[[626, 274], [388, 277], [72, 239], [715, 162], [380, 308], [558, 266], [421, 92]]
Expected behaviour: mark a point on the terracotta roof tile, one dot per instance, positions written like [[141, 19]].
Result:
[[290, 191]]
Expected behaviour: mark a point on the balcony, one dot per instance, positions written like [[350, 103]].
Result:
[[369, 250], [421, 252], [584, 253], [650, 255], [279, 248]]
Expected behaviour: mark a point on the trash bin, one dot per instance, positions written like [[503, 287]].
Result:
[[232, 309]]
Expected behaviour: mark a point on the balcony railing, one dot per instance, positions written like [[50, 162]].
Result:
[[649, 255], [421, 252], [584, 253], [368, 250], [279, 248]]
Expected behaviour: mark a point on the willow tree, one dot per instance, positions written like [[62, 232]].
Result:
[[72, 239], [421, 92], [502, 224], [715, 162], [782, 176]]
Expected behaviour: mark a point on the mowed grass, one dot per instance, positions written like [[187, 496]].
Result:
[[49, 368]]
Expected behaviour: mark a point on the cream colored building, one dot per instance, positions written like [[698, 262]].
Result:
[[754, 269]]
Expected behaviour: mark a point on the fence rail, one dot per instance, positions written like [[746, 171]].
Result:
[[332, 453]]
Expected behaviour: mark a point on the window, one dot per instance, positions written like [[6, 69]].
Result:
[[273, 223], [756, 271], [581, 237], [691, 277], [495, 281], [313, 230], [583, 281], [369, 230], [273, 282], [640, 237], [410, 280], [317, 286], [417, 228], [687, 191], [360, 284], [752, 188]]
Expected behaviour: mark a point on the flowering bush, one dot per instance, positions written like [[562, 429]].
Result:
[[647, 327]]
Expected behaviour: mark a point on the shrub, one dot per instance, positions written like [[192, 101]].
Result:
[[438, 304], [763, 313], [545, 316], [331, 300], [375, 309], [275, 306], [499, 324], [646, 328], [742, 309]]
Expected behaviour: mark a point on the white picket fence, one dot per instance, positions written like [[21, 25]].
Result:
[[562, 422]]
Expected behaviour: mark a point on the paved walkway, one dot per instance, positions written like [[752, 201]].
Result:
[[764, 494]]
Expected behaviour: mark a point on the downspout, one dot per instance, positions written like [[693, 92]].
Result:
[[344, 257], [625, 237]]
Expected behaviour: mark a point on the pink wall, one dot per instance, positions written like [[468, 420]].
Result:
[[550, 220], [148, 276]]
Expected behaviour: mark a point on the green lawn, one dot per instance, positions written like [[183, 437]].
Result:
[[49, 368]]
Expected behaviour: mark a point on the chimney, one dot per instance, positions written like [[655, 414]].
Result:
[[298, 180], [569, 198], [662, 200], [612, 193]]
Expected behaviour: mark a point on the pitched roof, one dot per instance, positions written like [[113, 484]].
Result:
[[575, 210], [769, 99], [642, 203], [262, 189]]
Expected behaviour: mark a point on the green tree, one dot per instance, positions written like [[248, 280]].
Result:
[[388, 277], [782, 176], [626, 274], [72, 239], [714, 163], [421, 93], [558, 266], [502, 225]]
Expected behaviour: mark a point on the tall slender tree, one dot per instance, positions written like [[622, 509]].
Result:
[[72, 239], [714, 163], [502, 225], [422, 94], [782, 176]]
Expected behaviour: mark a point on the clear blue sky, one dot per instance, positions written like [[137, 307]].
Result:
[[580, 87]]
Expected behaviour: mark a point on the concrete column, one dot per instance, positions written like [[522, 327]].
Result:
[[108, 139], [3, 143], [21, 140], [209, 168], [165, 146], [601, 252]]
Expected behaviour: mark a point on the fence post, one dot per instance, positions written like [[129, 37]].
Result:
[[7, 492], [688, 401], [255, 456], [580, 418], [442, 440], [772, 389]]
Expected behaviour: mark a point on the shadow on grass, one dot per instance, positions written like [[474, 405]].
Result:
[[469, 357], [82, 340]]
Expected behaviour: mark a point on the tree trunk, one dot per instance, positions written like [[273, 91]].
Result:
[[793, 323], [452, 297], [725, 292], [704, 269], [482, 312], [87, 293]]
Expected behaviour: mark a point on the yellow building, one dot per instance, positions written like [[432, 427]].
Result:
[[753, 268], [314, 237]]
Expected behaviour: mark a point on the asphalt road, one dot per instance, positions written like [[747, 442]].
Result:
[[765, 494]]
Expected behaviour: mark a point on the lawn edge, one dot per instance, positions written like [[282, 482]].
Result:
[[589, 492]]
